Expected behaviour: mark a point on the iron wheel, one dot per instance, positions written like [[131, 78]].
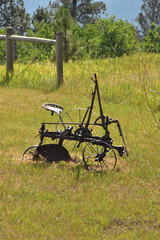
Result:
[[99, 158], [31, 154]]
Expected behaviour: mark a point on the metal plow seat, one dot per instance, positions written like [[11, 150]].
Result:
[[53, 108]]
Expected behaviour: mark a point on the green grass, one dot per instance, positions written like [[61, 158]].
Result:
[[59, 201]]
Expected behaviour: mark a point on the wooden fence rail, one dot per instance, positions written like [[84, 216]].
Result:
[[10, 38]]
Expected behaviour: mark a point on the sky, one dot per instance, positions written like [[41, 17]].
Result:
[[121, 9]]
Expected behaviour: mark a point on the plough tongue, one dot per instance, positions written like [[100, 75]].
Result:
[[54, 153]]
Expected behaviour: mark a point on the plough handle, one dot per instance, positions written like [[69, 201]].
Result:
[[120, 132]]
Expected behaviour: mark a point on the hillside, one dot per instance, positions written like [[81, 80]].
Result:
[[61, 201]]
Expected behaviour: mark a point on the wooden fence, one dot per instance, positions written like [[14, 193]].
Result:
[[10, 38]]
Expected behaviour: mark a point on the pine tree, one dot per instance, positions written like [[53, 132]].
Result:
[[63, 22], [41, 14], [13, 14], [150, 12], [82, 11]]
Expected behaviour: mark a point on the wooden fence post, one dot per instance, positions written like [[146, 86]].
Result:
[[59, 58], [9, 52], [10, 38]]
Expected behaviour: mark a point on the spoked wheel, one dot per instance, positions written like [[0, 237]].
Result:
[[99, 158], [30, 154], [73, 118]]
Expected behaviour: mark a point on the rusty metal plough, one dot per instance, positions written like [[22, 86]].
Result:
[[97, 152]]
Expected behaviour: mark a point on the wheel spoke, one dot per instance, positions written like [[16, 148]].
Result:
[[69, 117], [105, 164], [92, 148], [90, 153], [79, 116]]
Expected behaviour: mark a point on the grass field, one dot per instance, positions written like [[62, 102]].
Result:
[[61, 201]]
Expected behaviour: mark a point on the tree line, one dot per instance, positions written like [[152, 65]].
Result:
[[85, 32]]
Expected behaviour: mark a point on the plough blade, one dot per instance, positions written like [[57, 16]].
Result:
[[54, 153]]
